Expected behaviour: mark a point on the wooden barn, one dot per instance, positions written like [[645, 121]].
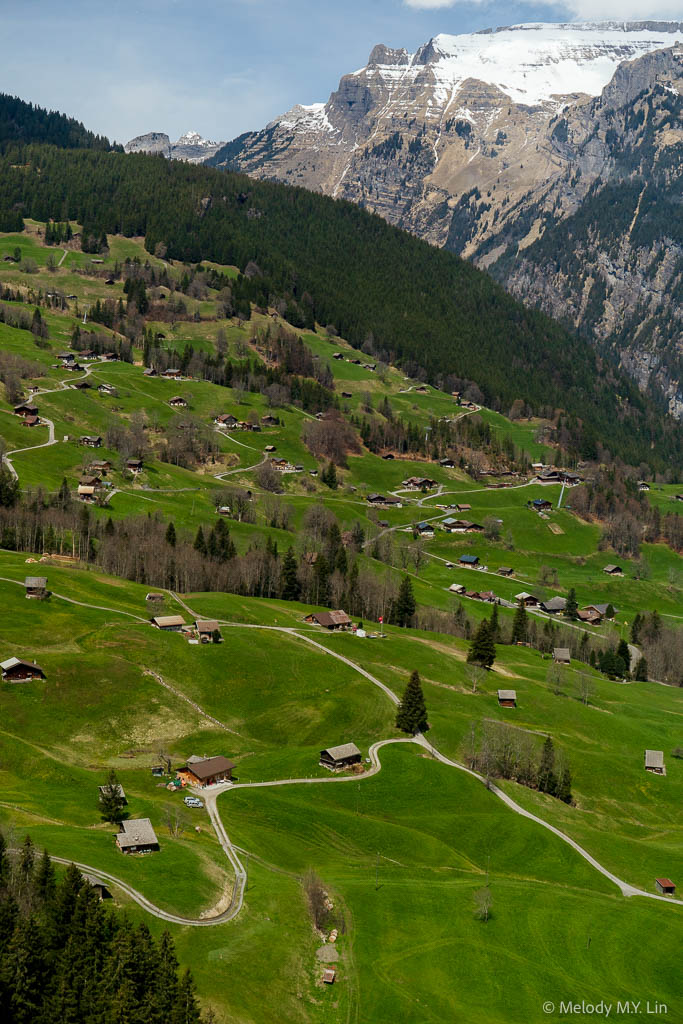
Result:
[[14, 670], [337, 758], [36, 587], [136, 835], [507, 698], [665, 886], [330, 620], [206, 771], [169, 623], [654, 762]]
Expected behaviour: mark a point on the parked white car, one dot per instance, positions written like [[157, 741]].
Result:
[[193, 801]]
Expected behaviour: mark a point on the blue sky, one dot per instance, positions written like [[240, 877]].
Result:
[[222, 67]]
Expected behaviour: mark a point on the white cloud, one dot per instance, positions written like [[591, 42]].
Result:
[[590, 10]]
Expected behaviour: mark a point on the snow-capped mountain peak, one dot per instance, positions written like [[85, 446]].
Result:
[[193, 139]]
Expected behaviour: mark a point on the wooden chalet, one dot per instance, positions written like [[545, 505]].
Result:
[[269, 448], [654, 762], [419, 483], [589, 616], [338, 758], [36, 587], [25, 410], [506, 570], [425, 529], [178, 402], [601, 609], [172, 373], [91, 441], [87, 493], [31, 421], [469, 561], [14, 670], [528, 600], [269, 421], [665, 886], [98, 885], [447, 463], [541, 505], [554, 605], [169, 623], [463, 508], [507, 698], [331, 620], [561, 656], [137, 835], [153, 596], [457, 588], [206, 629], [134, 465], [80, 385], [206, 771], [613, 570], [99, 466]]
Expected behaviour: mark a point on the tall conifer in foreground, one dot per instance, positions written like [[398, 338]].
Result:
[[411, 716]]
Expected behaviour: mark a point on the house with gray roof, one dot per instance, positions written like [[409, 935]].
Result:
[[136, 835], [343, 756]]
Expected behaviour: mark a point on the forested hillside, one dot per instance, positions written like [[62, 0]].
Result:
[[24, 122], [333, 263]]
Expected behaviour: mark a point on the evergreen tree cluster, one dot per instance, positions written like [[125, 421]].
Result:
[[65, 957], [56, 233]]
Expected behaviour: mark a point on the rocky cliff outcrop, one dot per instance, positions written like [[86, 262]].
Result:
[[190, 146]]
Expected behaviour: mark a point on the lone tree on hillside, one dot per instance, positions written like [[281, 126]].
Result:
[[519, 625], [624, 653], [640, 674], [404, 608], [483, 902], [482, 649], [112, 802], [411, 716]]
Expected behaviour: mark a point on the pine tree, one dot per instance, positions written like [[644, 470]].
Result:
[[564, 785], [171, 535], [572, 606], [546, 780], [411, 716], [636, 627], [624, 653], [641, 671], [290, 588], [45, 880], [493, 625], [199, 542], [111, 802], [519, 625], [186, 1008], [405, 603], [482, 648]]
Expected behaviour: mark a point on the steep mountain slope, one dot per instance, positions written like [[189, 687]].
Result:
[[606, 252], [409, 134], [190, 146]]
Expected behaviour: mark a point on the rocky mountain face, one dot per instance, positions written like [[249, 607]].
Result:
[[190, 146], [471, 142], [601, 246]]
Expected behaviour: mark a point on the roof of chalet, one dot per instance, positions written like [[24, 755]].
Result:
[[206, 625], [206, 767], [561, 654], [137, 832], [331, 618], [342, 751], [168, 620], [35, 581], [654, 758], [13, 662], [507, 695]]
